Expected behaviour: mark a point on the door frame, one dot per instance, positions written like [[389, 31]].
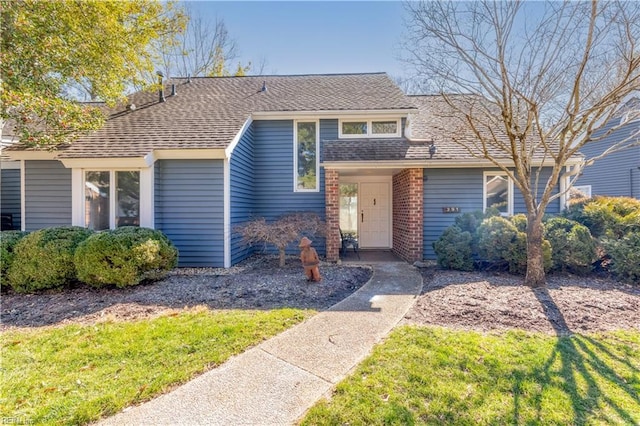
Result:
[[382, 179]]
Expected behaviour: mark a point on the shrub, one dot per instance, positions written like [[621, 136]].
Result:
[[453, 249], [625, 256], [573, 247], [8, 241], [520, 222], [606, 216], [44, 258], [124, 257], [501, 244]]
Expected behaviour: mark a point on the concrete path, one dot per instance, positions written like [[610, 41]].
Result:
[[277, 381]]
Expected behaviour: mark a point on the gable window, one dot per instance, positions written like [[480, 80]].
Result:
[[369, 128], [306, 156], [111, 199], [498, 192]]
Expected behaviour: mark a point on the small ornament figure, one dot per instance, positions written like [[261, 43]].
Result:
[[310, 260]]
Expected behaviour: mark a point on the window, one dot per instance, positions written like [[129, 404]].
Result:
[[111, 199], [369, 128], [498, 193], [306, 156]]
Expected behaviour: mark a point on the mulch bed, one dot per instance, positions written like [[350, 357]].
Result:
[[488, 301], [257, 283]]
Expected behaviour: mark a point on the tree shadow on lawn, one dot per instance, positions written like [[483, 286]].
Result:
[[584, 370], [261, 285]]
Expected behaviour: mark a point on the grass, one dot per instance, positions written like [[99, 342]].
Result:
[[76, 374], [425, 375]]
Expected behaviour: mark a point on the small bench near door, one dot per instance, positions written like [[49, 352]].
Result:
[[349, 240]]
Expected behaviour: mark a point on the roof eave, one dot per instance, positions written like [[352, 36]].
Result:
[[284, 115]]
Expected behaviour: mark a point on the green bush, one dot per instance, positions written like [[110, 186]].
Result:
[[453, 249], [502, 245], [573, 247], [625, 256], [606, 216], [520, 222], [124, 257], [8, 241], [44, 258]]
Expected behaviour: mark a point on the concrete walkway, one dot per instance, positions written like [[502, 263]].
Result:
[[277, 381]]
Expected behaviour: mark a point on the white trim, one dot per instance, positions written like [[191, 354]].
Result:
[[77, 198], [190, 154], [23, 195], [300, 115], [510, 206], [236, 139], [106, 163], [369, 122], [147, 197], [31, 155], [295, 156], [9, 165], [227, 213]]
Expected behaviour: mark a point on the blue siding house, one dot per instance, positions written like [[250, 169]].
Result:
[[219, 151], [618, 173]]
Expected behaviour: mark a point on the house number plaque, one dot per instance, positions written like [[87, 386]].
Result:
[[451, 210]]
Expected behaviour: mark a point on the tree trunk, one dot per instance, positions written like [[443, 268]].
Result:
[[282, 256], [535, 258]]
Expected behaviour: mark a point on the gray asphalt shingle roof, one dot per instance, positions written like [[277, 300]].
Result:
[[209, 112]]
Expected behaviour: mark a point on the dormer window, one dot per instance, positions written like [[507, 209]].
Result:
[[384, 128]]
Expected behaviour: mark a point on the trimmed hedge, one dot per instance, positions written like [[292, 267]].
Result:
[[574, 249], [124, 257], [8, 241], [625, 256], [453, 249], [612, 217], [44, 259]]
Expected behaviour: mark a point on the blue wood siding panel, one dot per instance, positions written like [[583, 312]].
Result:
[[47, 194], [273, 173], [242, 193], [447, 188], [10, 195], [189, 209], [459, 188], [616, 174]]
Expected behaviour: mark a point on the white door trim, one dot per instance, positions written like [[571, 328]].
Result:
[[373, 179]]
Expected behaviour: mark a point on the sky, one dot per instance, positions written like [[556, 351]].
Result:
[[303, 37]]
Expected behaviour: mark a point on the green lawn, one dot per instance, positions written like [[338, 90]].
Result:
[[76, 374], [425, 375]]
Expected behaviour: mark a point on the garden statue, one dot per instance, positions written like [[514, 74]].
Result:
[[310, 260]]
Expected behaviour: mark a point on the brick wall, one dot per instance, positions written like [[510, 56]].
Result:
[[408, 214], [332, 214]]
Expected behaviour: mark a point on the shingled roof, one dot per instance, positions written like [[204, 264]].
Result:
[[208, 113]]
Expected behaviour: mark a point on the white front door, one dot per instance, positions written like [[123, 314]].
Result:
[[375, 215]]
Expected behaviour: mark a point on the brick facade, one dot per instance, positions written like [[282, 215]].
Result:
[[408, 214], [332, 214]]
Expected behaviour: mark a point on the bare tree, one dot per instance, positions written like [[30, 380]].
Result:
[[282, 232], [543, 79]]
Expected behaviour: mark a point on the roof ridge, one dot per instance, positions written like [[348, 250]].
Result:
[[280, 75]]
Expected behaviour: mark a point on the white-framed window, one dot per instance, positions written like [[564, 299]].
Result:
[[111, 198], [498, 192], [369, 128], [306, 164]]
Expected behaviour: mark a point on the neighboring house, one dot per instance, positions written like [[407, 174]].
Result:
[[197, 163], [618, 173]]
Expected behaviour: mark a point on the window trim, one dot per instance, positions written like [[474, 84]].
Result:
[[295, 155], [146, 194], [510, 206], [370, 133]]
